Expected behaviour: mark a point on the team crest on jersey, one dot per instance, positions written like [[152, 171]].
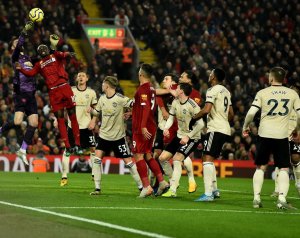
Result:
[[87, 96], [115, 104], [197, 100], [144, 97], [184, 111]]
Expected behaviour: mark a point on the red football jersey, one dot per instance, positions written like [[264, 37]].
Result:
[[143, 109], [52, 68], [195, 95]]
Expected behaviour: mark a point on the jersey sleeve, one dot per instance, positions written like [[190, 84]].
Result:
[[94, 98], [210, 96], [17, 50], [126, 101], [257, 101], [195, 110], [98, 107], [173, 108], [297, 104], [31, 72], [159, 101], [61, 55]]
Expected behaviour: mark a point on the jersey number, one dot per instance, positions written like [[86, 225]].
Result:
[[152, 101], [225, 104], [275, 104]]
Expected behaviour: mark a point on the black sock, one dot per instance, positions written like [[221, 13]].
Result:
[[29, 134], [6, 126]]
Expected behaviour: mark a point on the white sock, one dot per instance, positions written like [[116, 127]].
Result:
[[188, 164], [258, 180], [65, 165], [296, 170], [92, 155], [134, 173], [276, 171], [283, 184], [208, 170], [214, 182], [176, 175], [167, 167], [96, 171], [23, 151]]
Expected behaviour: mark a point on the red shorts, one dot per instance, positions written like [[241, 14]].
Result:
[[61, 97], [141, 145]]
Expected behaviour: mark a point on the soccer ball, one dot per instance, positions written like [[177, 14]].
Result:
[[36, 15]]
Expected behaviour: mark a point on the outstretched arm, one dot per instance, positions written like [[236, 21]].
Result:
[[28, 73]]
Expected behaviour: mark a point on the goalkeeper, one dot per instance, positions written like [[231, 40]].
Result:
[[52, 68], [24, 92]]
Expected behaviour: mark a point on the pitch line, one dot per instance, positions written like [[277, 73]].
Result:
[[176, 209], [100, 223], [243, 192]]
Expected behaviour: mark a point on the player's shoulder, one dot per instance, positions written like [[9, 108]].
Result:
[[90, 90], [120, 95], [192, 103], [102, 96], [74, 88]]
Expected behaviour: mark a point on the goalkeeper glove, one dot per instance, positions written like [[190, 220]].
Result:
[[54, 39], [28, 27]]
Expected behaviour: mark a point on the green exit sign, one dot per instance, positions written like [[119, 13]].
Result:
[[99, 32]]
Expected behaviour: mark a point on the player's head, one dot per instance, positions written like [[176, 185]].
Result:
[[217, 75], [13, 43], [277, 74], [43, 50], [145, 71], [169, 80], [184, 88], [109, 82], [188, 76], [82, 78]]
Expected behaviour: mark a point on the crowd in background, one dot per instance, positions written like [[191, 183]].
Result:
[[244, 38]]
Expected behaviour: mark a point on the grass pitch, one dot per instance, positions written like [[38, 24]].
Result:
[[34, 205]]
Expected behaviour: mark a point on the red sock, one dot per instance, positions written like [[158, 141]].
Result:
[[154, 166], [75, 128], [63, 131], [143, 172]]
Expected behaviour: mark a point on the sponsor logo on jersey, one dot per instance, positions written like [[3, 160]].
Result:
[[49, 61], [197, 100]]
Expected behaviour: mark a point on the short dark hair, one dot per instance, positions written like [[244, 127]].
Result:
[[186, 88], [191, 76], [174, 77], [147, 69], [220, 74], [278, 73]]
